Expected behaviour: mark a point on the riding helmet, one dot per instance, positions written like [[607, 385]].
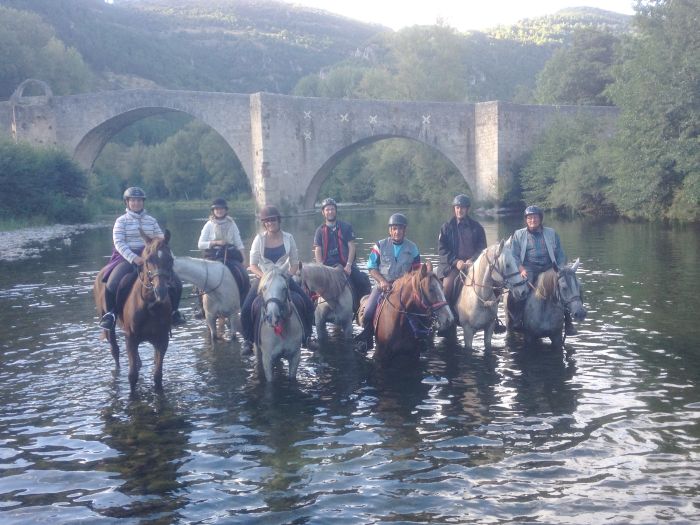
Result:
[[134, 193], [328, 202], [534, 210], [462, 200], [398, 219], [219, 203], [269, 212]]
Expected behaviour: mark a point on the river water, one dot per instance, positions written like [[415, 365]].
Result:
[[605, 431]]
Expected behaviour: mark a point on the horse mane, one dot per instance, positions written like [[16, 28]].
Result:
[[546, 285], [329, 279]]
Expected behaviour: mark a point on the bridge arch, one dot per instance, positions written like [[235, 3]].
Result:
[[324, 172]]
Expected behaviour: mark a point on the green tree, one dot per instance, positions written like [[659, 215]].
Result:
[[579, 73], [30, 49], [40, 182], [657, 88], [566, 169]]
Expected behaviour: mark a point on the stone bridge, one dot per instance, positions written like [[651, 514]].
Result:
[[288, 145]]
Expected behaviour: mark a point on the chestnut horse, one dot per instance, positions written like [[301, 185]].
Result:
[[147, 311], [408, 313]]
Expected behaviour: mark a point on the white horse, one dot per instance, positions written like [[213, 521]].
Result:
[[555, 293], [280, 330], [335, 303], [477, 304], [221, 296]]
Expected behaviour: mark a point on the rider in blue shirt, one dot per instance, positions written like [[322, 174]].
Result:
[[537, 248], [389, 259]]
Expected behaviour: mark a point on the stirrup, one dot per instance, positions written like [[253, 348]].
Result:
[[108, 321]]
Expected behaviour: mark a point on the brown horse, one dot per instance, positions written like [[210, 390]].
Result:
[[147, 311], [409, 311]]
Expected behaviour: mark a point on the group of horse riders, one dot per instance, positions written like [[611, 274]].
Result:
[[536, 248]]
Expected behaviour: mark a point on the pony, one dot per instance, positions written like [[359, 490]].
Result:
[[407, 314], [147, 311], [280, 330], [336, 301], [221, 295], [554, 293], [476, 306]]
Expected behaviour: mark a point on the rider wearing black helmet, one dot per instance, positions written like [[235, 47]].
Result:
[[128, 245], [460, 242], [537, 248], [389, 259], [334, 243], [221, 241]]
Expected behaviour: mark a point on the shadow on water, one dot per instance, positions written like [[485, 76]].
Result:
[[151, 437]]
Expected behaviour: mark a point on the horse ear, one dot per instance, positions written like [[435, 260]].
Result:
[[424, 269], [300, 265], [145, 236], [574, 266], [166, 234], [501, 245], [429, 266], [286, 265]]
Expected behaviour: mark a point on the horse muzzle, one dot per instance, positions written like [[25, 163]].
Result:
[[579, 314]]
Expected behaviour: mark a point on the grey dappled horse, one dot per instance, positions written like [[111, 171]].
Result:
[[335, 303], [477, 304], [221, 295], [553, 294], [281, 330]]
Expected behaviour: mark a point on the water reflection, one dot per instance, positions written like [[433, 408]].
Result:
[[606, 429]]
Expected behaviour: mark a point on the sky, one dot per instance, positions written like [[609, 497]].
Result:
[[463, 15]]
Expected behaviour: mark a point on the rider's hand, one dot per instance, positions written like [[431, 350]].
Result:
[[347, 269], [138, 260], [523, 272], [385, 286]]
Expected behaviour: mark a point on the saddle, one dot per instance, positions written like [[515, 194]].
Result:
[[124, 289]]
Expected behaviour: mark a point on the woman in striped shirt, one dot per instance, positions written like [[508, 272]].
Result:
[[128, 245]]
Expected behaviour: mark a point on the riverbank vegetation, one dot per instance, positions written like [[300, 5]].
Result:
[[648, 66]]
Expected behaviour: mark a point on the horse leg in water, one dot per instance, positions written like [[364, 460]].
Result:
[[132, 352], [159, 349], [488, 333], [294, 359], [114, 345]]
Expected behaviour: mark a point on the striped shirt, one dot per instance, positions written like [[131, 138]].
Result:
[[126, 235]]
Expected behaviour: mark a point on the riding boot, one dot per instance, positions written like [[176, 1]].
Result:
[[246, 347], [199, 310], [500, 327], [175, 291], [108, 320], [516, 315], [366, 337], [569, 328]]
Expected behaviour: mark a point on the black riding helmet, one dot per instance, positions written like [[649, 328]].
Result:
[[219, 203], [462, 200], [134, 192], [534, 210], [398, 219], [328, 202]]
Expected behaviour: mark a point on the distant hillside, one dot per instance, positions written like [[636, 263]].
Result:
[[213, 45], [558, 27]]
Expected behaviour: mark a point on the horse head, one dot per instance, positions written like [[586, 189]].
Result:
[[570, 291], [158, 263], [507, 267], [432, 298], [274, 290]]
